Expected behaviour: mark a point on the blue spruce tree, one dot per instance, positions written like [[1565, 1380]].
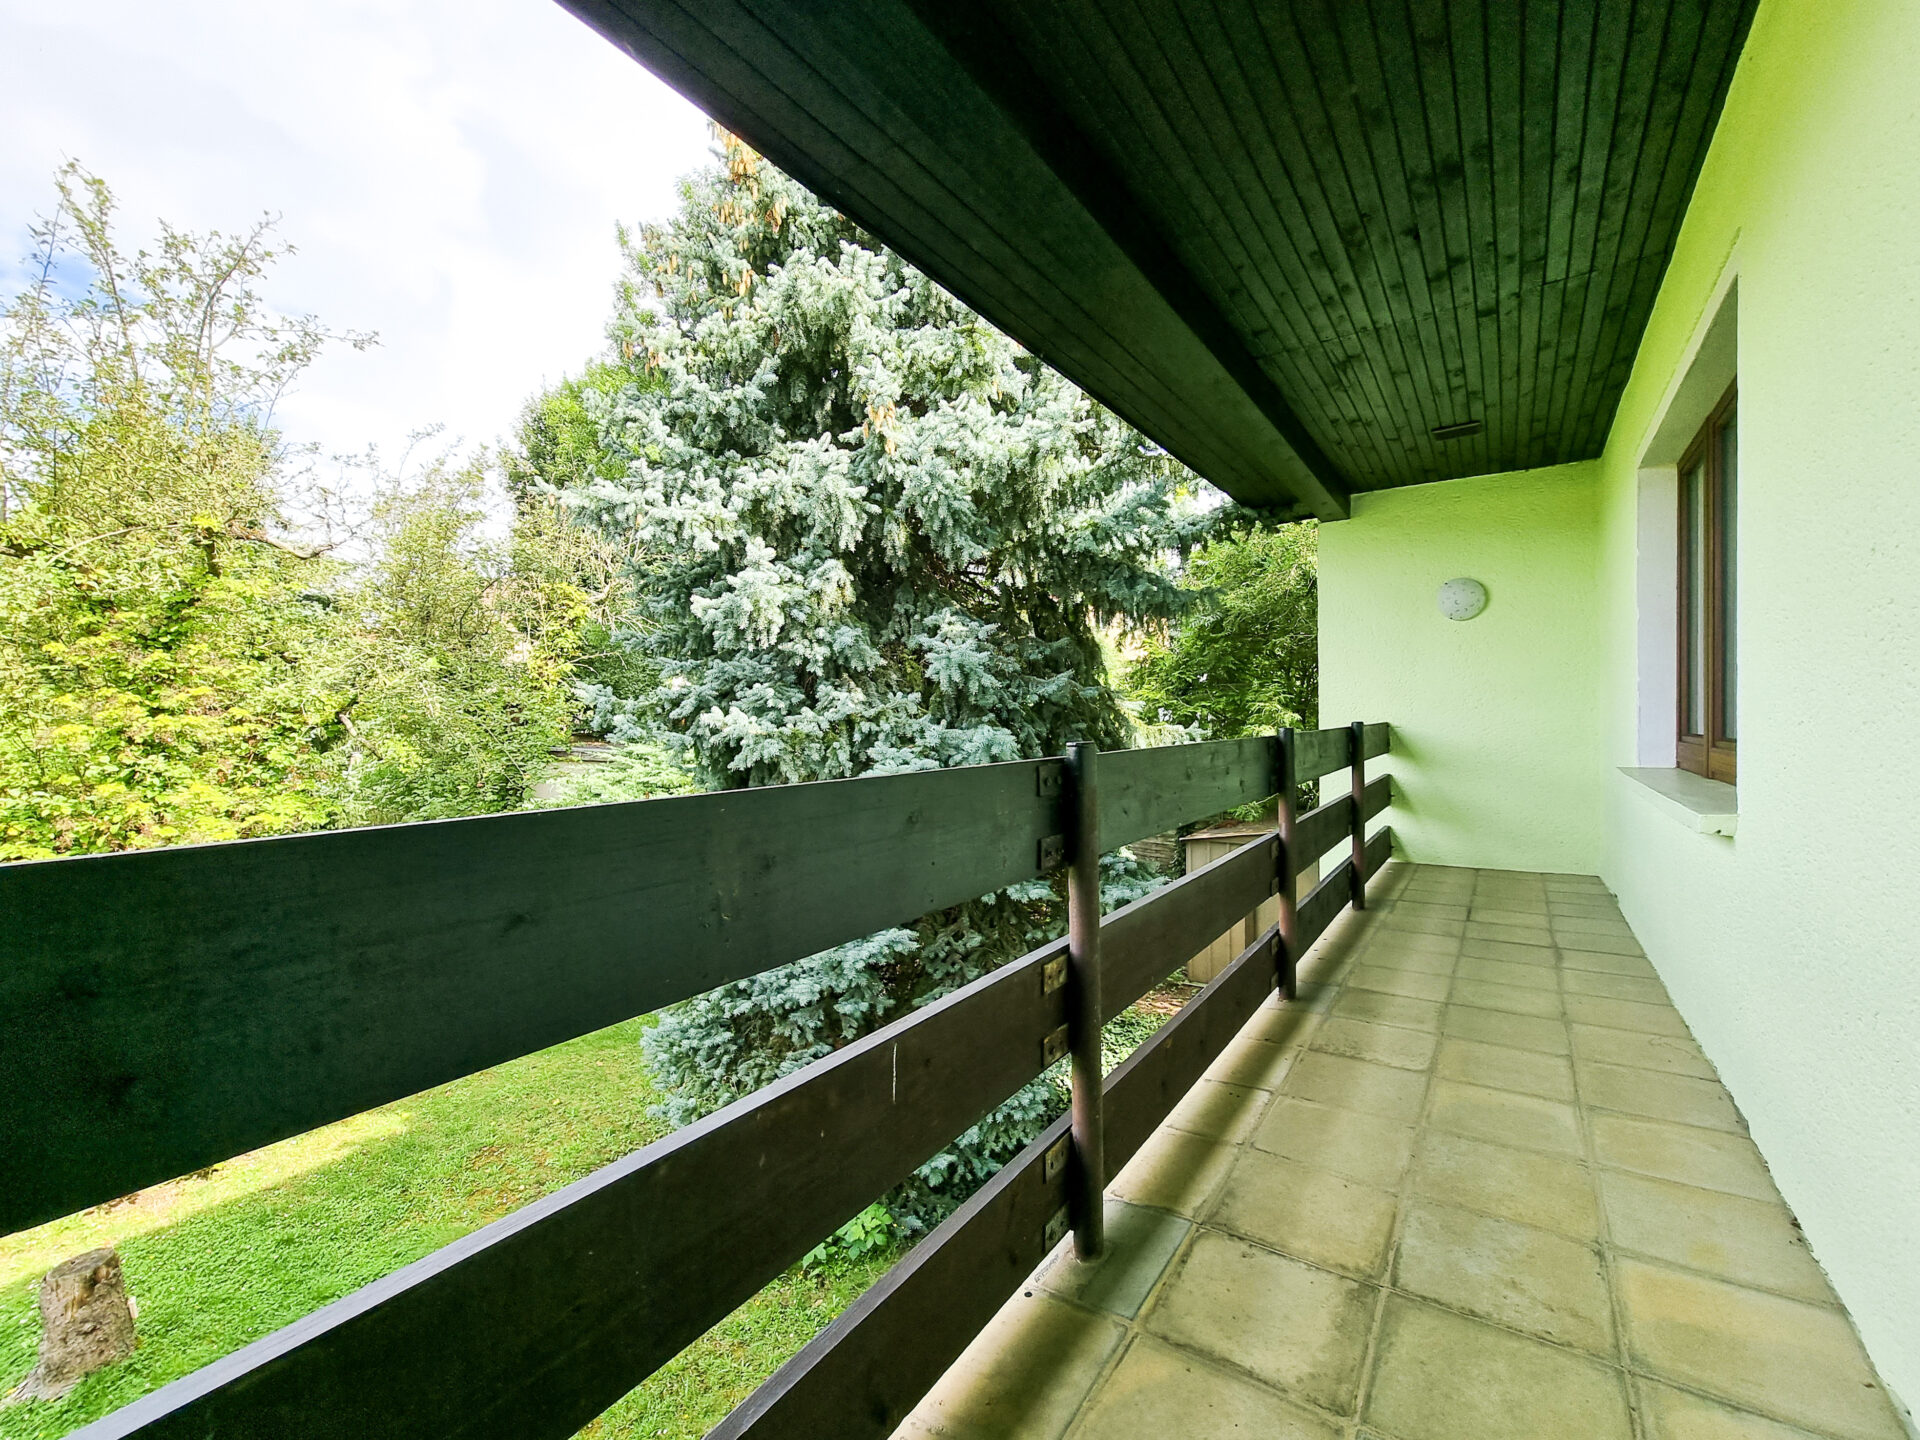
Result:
[[883, 537]]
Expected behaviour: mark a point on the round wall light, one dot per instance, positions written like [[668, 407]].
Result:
[[1462, 599]]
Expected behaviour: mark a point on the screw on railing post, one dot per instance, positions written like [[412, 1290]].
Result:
[[1289, 862], [1087, 1177], [1359, 732]]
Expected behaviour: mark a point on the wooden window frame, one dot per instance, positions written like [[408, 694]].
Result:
[[1709, 751]]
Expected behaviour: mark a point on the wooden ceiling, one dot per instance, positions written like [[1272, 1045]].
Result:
[[1290, 241]]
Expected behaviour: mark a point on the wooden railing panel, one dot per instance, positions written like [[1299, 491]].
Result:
[[1142, 943], [164, 1010], [861, 1376], [1320, 752], [535, 1324], [1148, 792], [1379, 739]]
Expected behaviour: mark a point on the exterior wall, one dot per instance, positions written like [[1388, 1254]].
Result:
[[1791, 948], [1496, 749]]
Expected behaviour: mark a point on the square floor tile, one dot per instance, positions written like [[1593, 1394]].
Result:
[[1515, 1275], [1441, 1376], [1295, 1326], [1666, 1053], [1506, 972], [1414, 984], [1572, 958], [1258, 1064], [1614, 987], [1751, 1242], [1782, 1357], [1512, 934], [1384, 1009], [1506, 950], [1357, 1085], [1670, 1414], [1603, 944], [1502, 1067], [1382, 1044], [1406, 942], [1492, 915], [1175, 1171], [1306, 1211], [1503, 1027], [1157, 1392], [1657, 1095], [1140, 1245], [1226, 1112], [1279, 1021], [1490, 996], [1367, 1148], [1505, 1117], [1437, 909], [1713, 1159], [1392, 957], [1659, 1019], [1571, 925], [1024, 1376], [1414, 924], [1545, 1190]]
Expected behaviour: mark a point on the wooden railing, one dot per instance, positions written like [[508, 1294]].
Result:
[[164, 1010]]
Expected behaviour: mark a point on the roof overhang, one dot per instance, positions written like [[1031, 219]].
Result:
[[1310, 248]]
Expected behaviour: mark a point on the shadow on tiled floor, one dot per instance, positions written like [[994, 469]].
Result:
[[1477, 1183]]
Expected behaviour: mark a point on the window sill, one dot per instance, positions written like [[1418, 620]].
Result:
[[1707, 807]]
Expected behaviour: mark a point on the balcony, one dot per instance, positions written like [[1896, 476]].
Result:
[[1477, 1182], [1448, 1164]]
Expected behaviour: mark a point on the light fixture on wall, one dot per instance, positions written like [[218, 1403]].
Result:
[[1462, 599]]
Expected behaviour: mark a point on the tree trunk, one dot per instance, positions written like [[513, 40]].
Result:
[[87, 1324]]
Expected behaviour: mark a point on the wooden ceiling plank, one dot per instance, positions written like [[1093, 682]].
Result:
[[1401, 63], [1146, 66], [1326, 153], [1214, 84], [1381, 182], [1503, 68]]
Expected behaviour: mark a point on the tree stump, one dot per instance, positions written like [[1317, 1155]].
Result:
[[87, 1324]]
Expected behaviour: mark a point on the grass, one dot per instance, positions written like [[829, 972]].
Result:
[[222, 1258]]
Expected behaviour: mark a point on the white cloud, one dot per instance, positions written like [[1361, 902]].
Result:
[[451, 174]]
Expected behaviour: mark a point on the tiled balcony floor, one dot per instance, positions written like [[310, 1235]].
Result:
[[1476, 1184]]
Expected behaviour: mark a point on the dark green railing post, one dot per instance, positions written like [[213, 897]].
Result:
[[1087, 1177], [1359, 732], [1289, 864]]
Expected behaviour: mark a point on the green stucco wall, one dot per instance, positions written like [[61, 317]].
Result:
[[1793, 949], [1496, 753]]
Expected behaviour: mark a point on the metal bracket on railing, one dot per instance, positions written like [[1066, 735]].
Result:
[[1289, 915], [1087, 1177], [1359, 882], [1056, 1230], [1053, 852], [1054, 1048], [1053, 975]]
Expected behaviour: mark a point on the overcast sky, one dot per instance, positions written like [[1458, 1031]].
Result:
[[451, 171]]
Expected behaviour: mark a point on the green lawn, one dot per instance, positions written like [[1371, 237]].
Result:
[[218, 1260]]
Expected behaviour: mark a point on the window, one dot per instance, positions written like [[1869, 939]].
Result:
[[1709, 675]]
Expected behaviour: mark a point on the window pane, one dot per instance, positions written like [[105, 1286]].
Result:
[[1729, 580], [1693, 601]]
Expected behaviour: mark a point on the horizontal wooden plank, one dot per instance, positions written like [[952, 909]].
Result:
[[1321, 829], [1143, 1089], [533, 1325], [1327, 900], [1149, 792], [861, 1376], [1320, 752], [1377, 796], [166, 1009], [1142, 943], [1379, 739], [1379, 849]]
